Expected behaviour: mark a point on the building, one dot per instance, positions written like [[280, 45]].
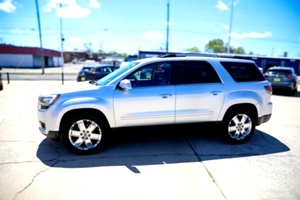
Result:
[[29, 57]]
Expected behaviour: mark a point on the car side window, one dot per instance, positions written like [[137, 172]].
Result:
[[156, 74], [103, 69], [194, 72], [243, 72]]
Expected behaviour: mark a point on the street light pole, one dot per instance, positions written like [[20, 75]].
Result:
[[40, 36], [168, 18], [230, 26], [62, 48]]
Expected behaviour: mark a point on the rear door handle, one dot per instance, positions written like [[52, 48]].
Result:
[[215, 92], [165, 95]]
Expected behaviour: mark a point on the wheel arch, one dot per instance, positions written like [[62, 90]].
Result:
[[81, 111], [247, 106]]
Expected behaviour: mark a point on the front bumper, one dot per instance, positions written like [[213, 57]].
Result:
[[263, 119], [50, 134]]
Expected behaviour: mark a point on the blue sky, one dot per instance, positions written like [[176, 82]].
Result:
[[265, 27]]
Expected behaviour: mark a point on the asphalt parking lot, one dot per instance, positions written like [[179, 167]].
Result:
[[182, 162]]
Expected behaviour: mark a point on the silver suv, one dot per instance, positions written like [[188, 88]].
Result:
[[157, 91]]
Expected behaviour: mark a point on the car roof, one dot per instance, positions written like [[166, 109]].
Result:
[[104, 65], [192, 58], [280, 67]]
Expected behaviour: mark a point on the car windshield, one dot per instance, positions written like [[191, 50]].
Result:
[[105, 80]]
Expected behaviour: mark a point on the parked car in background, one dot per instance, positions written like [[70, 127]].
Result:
[[95, 73], [81, 74], [283, 78], [88, 65]]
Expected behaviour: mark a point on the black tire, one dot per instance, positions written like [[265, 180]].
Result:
[[84, 134], [295, 89], [238, 126]]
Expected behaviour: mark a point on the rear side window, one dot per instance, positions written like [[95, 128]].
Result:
[[193, 72], [243, 72]]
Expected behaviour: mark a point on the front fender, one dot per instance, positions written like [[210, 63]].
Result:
[[103, 105]]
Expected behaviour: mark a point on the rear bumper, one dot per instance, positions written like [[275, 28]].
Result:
[[287, 86]]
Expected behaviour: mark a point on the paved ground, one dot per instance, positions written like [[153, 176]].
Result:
[[188, 162]]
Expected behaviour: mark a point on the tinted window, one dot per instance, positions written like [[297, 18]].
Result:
[[280, 71], [243, 72], [85, 69], [157, 74], [103, 69], [193, 72]]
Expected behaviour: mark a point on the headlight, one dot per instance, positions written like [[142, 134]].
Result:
[[48, 100]]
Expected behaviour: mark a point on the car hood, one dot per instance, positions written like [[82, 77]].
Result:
[[72, 88]]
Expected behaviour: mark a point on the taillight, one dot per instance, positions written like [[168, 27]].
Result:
[[290, 76], [269, 89], [266, 75]]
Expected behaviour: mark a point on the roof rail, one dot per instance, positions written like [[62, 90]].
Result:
[[168, 55]]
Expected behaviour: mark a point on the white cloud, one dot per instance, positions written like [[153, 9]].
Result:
[[226, 27], [204, 40], [94, 4], [235, 44], [251, 35], [165, 23], [7, 6], [70, 8], [154, 35], [16, 31], [72, 11], [75, 40], [221, 5]]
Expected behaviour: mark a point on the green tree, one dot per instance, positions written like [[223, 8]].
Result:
[[239, 50], [215, 46], [122, 55], [88, 49], [218, 46], [193, 50]]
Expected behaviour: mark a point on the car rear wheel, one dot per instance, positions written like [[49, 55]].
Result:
[[84, 134], [238, 126], [295, 89]]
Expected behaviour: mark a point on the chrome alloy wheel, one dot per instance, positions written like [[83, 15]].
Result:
[[85, 134], [239, 127]]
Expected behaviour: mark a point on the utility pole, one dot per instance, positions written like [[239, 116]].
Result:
[[40, 35], [230, 26], [168, 18], [62, 48]]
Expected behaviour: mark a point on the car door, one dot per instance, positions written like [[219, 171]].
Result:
[[199, 92], [151, 99]]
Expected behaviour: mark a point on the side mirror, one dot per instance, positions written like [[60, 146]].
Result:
[[125, 84]]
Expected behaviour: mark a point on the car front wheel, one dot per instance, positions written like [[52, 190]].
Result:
[[238, 126], [84, 134]]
